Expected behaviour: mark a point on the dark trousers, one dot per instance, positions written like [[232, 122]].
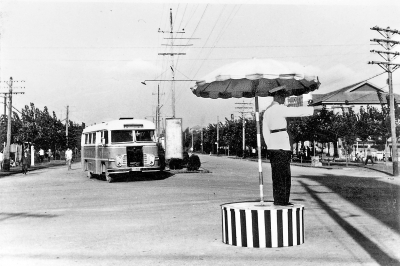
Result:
[[24, 168], [281, 175], [369, 157]]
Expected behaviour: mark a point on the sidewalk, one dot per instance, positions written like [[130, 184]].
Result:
[[383, 167], [18, 169]]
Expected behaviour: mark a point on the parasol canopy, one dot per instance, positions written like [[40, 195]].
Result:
[[256, 77]]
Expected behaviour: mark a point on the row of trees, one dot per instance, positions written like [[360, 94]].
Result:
[[325, 126], [46, 131], [40, 128]]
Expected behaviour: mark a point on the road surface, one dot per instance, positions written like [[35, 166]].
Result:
[[60, 217]]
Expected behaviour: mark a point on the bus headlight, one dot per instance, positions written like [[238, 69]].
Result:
[[119, 160], [151, 159]]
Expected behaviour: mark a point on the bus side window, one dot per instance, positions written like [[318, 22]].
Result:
[[90, 138], [105, 136], [86, 138], [94, 138]]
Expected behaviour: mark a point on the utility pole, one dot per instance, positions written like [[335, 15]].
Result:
[[242, 110], [202, 149], [6, 161], [217, 136], [158, 110], [172, 54], [389, 67], [192, 140], [66, 125], [5, 104]]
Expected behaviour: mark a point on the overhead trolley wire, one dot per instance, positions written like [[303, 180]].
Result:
[[219, 35], [198, 23], [212, 30], [216, 47], [223, 29]]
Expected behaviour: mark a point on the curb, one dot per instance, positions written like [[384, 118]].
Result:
[[18, 169], [337, 166]]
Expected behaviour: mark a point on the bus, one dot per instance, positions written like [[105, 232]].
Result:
[[118, 147]]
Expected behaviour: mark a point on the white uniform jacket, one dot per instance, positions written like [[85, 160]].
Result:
[[275, 119]]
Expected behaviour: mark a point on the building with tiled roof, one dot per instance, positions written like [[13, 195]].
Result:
[[356, 95]]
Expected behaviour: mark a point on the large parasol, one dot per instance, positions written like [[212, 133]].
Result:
[[256, 78]]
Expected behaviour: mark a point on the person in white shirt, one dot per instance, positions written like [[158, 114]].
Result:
[[41, 155], [277, 140], [68, 157]]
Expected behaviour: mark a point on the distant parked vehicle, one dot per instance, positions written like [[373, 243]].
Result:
[[380, 155]]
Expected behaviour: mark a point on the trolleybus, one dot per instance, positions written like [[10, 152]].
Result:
[[121, 146]]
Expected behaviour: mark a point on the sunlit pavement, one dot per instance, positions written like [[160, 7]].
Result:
[[59, 217]]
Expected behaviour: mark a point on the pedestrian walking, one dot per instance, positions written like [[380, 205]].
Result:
[[41, 155], [25, 161], [278, 143], [49, 154], [1, 160], [68, 157], [369, 156]]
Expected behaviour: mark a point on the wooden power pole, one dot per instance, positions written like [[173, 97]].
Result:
[[388, 55], [6, 161]]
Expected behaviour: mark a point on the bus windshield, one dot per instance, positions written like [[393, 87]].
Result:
[[144, 135], [121, 136], [127, 135]]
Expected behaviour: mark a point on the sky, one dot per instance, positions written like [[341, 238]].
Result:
[[93, 56]]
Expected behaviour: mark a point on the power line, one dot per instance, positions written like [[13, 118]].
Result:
[[186, 59], [216, 47]]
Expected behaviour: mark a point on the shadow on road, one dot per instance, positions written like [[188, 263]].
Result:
[[379, 255], [149, 176], [377, 198], [137, 177], [12, 215]]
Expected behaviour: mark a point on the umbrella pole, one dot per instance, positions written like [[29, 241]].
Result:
[[260, 173]]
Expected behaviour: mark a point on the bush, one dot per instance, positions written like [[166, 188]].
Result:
[[185, 158], [194, 163], [175, 163], [161, 156]]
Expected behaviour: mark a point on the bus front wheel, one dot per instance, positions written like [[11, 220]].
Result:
[[109, 178], [89, 174]]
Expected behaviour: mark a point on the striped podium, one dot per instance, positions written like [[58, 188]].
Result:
[[256, 225]]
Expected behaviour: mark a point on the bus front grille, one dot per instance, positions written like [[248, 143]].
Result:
[[134, 156]]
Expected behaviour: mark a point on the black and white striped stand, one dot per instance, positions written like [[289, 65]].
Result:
[[256, 225]]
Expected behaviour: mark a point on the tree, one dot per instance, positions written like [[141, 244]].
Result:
[[40, 129]]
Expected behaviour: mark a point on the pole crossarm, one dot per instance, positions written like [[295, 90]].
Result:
[[383, 63], [386, 30], [386, 65], [172, 54], [14, 92], [177, 44], [181, 38], [391, 43], [395, 54], [169, 80], [385, 52]]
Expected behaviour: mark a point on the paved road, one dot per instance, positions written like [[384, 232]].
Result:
[[59, 217]]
